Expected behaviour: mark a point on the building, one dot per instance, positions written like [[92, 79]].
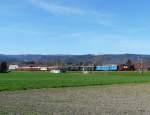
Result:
[[139, 67], [26, 68], [13, 67], [43, 68]]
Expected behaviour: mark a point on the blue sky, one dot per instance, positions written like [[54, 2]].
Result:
[[74, 26]]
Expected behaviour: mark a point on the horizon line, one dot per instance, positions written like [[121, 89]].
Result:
[[78, 54]]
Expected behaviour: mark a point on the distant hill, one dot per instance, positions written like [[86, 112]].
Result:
[[74, 59]]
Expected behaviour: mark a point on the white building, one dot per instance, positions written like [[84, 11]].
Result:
[[43, 68], [13, 67]]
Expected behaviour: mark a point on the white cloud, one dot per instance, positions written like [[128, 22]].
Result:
[[123, 29], [133, 30], [57, 9], [101, 18]]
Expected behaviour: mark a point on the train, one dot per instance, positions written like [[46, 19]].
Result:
[[113, 67], [107, 68]]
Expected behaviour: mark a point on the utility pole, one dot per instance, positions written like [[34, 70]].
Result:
[[142, 66], [140, 60]]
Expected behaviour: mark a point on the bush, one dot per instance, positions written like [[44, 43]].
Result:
[[3, 67]]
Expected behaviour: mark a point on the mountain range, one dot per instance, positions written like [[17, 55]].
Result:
[[75, 59]]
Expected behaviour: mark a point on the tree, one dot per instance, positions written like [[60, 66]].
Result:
[[132, 68], [3, 67], [130, 65]]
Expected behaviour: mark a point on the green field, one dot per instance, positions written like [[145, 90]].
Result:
[[37, 80]]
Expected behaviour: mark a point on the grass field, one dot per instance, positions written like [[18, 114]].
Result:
[[37, 80]]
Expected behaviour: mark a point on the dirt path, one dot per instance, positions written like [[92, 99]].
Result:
[[99, 100]]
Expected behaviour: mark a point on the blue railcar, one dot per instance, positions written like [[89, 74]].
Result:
[[107, 68]]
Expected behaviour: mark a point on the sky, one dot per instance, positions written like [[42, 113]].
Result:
[[74, 26]]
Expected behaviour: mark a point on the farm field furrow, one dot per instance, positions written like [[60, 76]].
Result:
[[129, 99]]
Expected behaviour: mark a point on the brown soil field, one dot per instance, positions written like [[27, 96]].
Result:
[[131, 99]]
